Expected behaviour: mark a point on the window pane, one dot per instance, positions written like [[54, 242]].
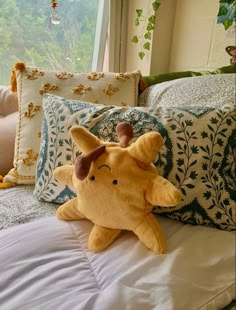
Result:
[[27, 34]]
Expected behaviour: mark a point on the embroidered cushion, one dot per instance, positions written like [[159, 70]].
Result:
[[198, 155], [97, 87]]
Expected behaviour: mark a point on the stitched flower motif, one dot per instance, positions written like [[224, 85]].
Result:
[[64, 75], [121, 77], [35, 74], [47, 87], [93, 76], [30, 158], [109, 90], [81, 89], [32, 110]]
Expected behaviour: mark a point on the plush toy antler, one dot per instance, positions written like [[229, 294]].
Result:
[[117, 187]]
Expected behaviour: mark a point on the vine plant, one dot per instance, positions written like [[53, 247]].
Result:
[[227, 12], [148, 21]]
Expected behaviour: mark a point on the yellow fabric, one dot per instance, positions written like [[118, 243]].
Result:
[[5, 184], [119, 191]]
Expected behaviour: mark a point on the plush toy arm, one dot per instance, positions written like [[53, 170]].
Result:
[[69, 211], [163, 193], [149, 232], [101, 237]]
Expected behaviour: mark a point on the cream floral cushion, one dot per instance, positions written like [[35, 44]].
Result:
[[119, 89]]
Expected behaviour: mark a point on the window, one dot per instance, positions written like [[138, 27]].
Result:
[[27, 34]]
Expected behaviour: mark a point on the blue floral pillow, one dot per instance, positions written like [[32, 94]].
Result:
[[198, 154]]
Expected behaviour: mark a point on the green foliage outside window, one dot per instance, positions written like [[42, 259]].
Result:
[[26, 34]]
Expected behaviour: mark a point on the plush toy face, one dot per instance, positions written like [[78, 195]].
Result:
[[117, 186]]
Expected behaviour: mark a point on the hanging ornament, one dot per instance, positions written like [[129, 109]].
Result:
[[55, 17]]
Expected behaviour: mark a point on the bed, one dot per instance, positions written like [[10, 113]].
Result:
[[45, 262]]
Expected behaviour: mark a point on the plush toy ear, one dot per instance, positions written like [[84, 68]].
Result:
[[163, 193], [146, 147], [64, 174], [85, 140], [18, 66], [83, 162]]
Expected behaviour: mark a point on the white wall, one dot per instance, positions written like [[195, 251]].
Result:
[[187, 37], [198, 41], [163, 36]]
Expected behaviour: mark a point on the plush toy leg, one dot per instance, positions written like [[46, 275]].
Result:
[[149, 232], [100, 238], [69, 211]]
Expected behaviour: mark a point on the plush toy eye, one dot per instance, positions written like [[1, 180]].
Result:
[[115, 182], [92, 178]]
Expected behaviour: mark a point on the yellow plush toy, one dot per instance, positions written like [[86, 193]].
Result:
[[117, 186], [4, 185]]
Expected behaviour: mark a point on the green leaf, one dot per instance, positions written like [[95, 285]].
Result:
[[210, 127], [148, 35], [204, 166], [227, 1], [180, 138], [189, 122], [190, 186], [227, 23], [222, 11], [214, 120], [207, 195], [218, 215], [204, 134], [215, 165], [150, 27], [179, 146], [155, 5], [136, 21], [193, 175], [141, 55], [180, 169], [152, 19], [177, 178], [193, 163], [146, 46], [194, 149], [180, 162], [139, 12], [134, 39]]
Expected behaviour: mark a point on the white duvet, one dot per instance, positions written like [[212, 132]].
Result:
[[45, 265]]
